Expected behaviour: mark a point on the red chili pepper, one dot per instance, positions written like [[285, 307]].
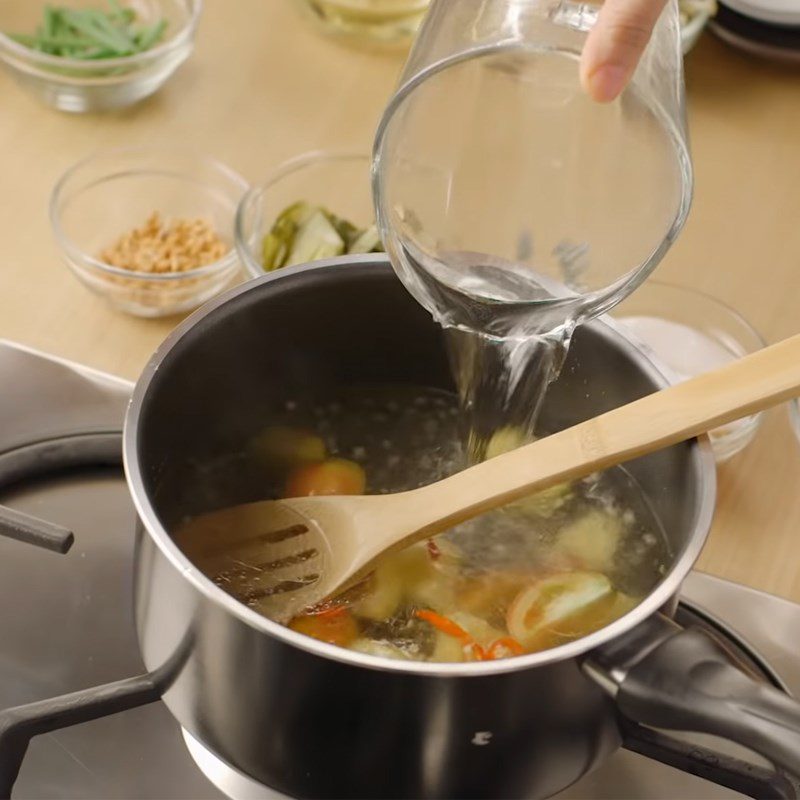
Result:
[[474, 650], [433, 549], [511, 646]]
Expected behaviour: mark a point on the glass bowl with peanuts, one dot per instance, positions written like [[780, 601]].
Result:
[[149, 229]]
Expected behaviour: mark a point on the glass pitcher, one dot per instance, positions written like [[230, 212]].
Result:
[[507, 199], [512, 206]]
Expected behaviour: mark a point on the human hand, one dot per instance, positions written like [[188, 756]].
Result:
[[615, 44]]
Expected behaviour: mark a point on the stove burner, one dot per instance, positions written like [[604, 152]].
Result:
[[41, 458]]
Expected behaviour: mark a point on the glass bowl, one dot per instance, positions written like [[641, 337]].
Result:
[[71, 84], [688, 333], [367, 22], [338, 181], [108, 194]]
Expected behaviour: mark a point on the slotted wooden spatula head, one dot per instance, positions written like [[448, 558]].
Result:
[[281, 556]]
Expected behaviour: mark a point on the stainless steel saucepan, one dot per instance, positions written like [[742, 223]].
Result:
[[312, 720]]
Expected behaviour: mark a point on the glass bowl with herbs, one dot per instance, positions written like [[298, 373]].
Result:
[[93, 55], [149, 229], [316, 206]]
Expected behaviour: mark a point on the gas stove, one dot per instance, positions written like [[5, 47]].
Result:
[[67, 621]]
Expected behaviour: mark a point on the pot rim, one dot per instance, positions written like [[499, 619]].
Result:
[[657, 599]]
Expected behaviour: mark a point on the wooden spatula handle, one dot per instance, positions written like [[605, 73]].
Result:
[[680, 412]]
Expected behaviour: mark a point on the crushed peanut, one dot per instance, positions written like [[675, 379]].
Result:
[[175, 245]]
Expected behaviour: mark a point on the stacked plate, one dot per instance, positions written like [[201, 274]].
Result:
[[768, 28]]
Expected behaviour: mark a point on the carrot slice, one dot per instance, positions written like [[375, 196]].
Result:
[[442, 623], [339, 628]]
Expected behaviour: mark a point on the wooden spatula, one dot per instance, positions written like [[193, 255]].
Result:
[[313, 547]]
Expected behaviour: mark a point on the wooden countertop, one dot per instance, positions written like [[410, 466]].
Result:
[[282, 89]]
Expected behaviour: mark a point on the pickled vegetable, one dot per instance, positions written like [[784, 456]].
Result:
[[304, 232], [315, 239]]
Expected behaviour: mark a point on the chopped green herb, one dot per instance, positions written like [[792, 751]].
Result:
[[146, 38], [92, 33], [50, 22]]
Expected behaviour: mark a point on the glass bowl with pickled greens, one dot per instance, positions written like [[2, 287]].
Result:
[[316, 206]]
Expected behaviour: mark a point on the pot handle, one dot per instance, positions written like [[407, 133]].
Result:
[[673, 678]]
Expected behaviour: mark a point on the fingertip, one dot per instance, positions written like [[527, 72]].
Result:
[[605, 83]]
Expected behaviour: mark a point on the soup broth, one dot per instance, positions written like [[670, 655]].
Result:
[[547, 570]]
